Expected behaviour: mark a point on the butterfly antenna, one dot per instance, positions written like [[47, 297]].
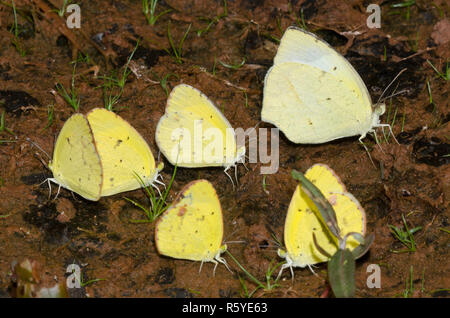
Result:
[[229, 235], [235, 242], [399, 73], [396, 93], [39, 147]]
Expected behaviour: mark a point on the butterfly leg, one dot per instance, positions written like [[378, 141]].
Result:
[[73, 196], [57, 193], [292, 273], [49, 181], [224, 262], [390, 130], [376, 140], [215, 266], [281, 271], [310, 268], [243, 162], [226, 172], [160, 182], [288, 264], [49, 187], [201, 265], [154, 186], [367, 150]]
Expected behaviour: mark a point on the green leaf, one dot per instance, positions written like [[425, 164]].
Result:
[[324, 207], [341, 274], [362, 249]]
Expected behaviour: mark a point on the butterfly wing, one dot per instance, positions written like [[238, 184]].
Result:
[[325, 179], [192, 227], [297, 230], [123, 152], [313, 106], [193, 132], [300, 46], [76, 164]]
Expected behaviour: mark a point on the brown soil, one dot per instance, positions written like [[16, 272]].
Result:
[[411, 178]]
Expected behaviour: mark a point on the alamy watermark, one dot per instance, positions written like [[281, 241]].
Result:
[[74, 279], [214, 146], [73, 21], [374, 19], [374, 279]]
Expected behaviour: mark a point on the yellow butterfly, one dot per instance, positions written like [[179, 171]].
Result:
[[303, 219], [192, 227], [193, 133], [100, 154], [314, 95]]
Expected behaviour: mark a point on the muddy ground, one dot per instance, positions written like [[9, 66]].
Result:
[[410, 178]]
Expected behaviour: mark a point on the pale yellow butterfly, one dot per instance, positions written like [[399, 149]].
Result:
[[100, 155], [193, 133], [303, 219], [314, 95], [192, 227]]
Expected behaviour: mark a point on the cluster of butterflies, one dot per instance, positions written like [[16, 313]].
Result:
[[311, 93]]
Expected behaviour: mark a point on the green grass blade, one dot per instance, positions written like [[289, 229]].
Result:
[[322, 204]]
